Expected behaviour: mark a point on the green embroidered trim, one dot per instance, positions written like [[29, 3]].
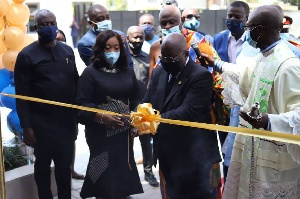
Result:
[[264, 80]]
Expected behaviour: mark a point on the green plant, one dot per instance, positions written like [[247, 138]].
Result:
[[13, 158]]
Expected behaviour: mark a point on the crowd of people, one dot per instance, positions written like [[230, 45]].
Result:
[[178, 71]]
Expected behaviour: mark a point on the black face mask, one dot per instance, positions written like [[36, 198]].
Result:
[[171, 67], [136, 46]]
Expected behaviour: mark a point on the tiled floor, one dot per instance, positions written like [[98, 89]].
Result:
[[82, 156]]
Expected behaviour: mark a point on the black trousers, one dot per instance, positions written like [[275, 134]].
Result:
[[61, 152], [191, 186], [147, 153]]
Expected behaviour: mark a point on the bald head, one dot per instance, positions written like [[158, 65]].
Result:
[[170, 17], [135, 29], [173, 44], [268, 16], [169, 2], [42, 15], [135, 37], [190, 11], [170, 10], [95, 9]]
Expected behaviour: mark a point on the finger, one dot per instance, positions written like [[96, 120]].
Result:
[[245, 116]]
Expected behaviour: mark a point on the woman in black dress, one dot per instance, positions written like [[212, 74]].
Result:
[[109, 84]]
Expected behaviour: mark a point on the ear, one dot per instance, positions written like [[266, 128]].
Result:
[[281, 26], [91, 24], [127, 37], [182, 19], [35, 27]]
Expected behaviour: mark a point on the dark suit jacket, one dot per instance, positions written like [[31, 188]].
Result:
[[183, 150]]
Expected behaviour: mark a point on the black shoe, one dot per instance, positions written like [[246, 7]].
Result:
[[152, 180]]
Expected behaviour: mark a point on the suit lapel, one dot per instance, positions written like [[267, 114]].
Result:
[[179, 82], [161, 87]]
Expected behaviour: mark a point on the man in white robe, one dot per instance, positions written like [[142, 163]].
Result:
[[264, 168]]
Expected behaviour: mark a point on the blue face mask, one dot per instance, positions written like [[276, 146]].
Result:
[[112, 57], [192, 24], [165, 32], [250, 40], [148, 28], [234, 26], [102, 26], [47, 33]]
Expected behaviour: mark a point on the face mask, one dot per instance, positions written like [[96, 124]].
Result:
[[192, 24], [148, 28], [112, 57], [171, 67], [102, 26], [250, 40], [136, 45], [285, 36], [165, 32], [48, 33], [234, 26]]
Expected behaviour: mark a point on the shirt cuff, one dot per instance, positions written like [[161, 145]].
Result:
[[218, 64], [269, 125]]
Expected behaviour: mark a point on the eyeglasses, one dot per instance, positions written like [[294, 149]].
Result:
[[250, 28], [190, 16], [173, 59]]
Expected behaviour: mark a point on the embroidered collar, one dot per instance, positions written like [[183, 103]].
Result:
[[271, 46]]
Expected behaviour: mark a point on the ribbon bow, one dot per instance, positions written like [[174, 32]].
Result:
[[146, 119]]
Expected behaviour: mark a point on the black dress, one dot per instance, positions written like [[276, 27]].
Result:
[[111, 171]]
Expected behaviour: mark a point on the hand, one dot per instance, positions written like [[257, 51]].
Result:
[[133, 132], [261, 123], [112, 120], [29, 137], [123, 39], [209, 59]]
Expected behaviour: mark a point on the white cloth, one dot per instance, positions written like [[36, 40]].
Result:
[[234, 46], [275, 166], [146, 47]]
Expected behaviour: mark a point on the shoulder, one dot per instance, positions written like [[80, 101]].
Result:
[[119, 32], [155, 46], [65, 47], [157, 72], [197, 70], [221, 34], [89, 37], [30, 48]]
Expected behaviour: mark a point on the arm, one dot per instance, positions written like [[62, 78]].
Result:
[[194, 102], [153, 57], [22, 78], [85, 53], [133, 99], [287, 99]]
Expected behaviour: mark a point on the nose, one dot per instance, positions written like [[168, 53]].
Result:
[[168, 26]]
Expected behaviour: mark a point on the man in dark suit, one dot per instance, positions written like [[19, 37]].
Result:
[[180, 89]]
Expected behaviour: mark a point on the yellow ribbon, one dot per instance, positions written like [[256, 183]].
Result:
[[147, 120]]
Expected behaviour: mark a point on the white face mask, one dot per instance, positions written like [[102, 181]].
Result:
[[102, 26]]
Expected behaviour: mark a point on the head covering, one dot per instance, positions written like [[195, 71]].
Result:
[[287, 21]]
